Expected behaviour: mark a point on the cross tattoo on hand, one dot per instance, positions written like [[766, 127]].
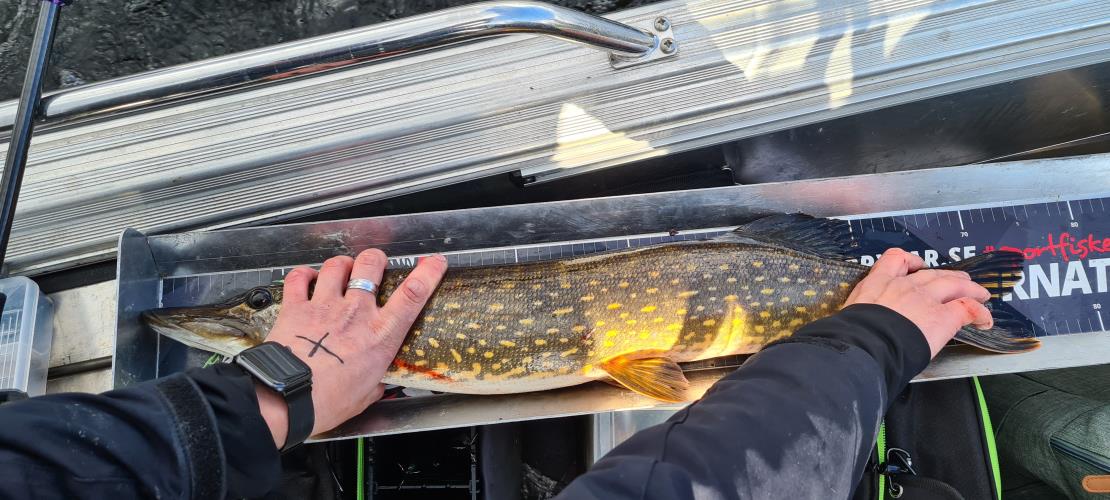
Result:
[[319, 344]]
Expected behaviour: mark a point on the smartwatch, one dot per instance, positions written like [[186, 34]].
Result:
[[279, 369]]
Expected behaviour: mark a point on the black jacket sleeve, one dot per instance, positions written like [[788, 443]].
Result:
[[197, 434], [797, 420]]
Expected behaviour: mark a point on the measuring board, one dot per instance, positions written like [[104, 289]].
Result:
[[1066, 243]]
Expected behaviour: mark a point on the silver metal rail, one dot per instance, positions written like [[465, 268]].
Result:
[[625, 44]]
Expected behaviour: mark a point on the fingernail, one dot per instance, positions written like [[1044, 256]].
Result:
[[439, 257]]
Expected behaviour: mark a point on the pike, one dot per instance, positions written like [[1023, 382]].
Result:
[[626, 316]]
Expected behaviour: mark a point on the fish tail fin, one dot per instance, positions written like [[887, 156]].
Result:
[[654, 376], [998, 272], [829, 238]]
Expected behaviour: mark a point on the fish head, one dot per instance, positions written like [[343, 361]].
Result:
[[225, 328]]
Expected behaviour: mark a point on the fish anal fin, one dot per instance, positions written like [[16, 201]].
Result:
[[648, 374], [828, 238]]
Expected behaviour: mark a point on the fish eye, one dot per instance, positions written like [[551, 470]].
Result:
[[259, 298]]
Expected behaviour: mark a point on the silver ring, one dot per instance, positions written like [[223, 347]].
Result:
[[364, 285]]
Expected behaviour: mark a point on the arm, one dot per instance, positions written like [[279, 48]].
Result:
[[799, 418], [214, 432]]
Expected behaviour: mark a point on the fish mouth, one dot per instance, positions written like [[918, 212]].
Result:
[[215, 329]]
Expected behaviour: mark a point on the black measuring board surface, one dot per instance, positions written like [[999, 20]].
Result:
[[1066, 243]]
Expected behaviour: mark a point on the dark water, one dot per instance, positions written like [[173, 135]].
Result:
[[102, 39]]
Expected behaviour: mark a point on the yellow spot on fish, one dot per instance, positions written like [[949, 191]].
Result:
[[709, 322], [599, 323], [526, 359], [429, 319], [767, 291], [828, 293], [420, 352], [754, 304], [564, 285], [809, 293], [757, 263], [760, 278], [541, 342], [644, 334], [776, 324], [433, 342], [800, 309], [731, 279], [470, 350], [481, 341], [674, 327], [647, 309], [568, 352], [587, 298], [784, 299], [614, 305], [496, 366], [793, 267], [442, 367], [844, 285], [623, 284], [563, 340], [405, 348], [687, 294], [611, 333], [537, 303], [460, 336], [796, 322], [823, 282], [507, 343], [477, 368], [654, 274], [420, 362], [594, 282], [537, 286], [824, 306], [625, 315], [652, 290], [674, 281], [630, 322], [496, 307], [699, 308], [784, 279], [527, 321], [453, 305], [552, 331], [578, 329], [455, 354], [658, 320], [564, 310], [508, 285], [499, 327], [609, 343], [760, 329], [764, 314], [487, 354], [473, 326], [723, 267]]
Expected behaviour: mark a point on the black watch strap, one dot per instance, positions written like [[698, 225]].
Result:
[[301, 417]]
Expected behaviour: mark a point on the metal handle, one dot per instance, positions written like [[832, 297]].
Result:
[[627, 45]]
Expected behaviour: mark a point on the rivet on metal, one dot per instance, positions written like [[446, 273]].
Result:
[[668, 46], [662, 24]]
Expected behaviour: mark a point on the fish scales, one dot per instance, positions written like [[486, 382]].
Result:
[[544, 325]]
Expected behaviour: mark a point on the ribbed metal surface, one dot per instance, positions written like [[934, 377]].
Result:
[[522, 103]]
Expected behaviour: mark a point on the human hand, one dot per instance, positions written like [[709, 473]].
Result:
[[343, 335], [938, 301]]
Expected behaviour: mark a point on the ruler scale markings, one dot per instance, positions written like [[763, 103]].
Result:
[[1100, 323], [1026, 212], [949, 215], [961, 217], [1070, 213]]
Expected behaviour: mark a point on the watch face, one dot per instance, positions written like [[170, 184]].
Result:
[[276, 366]]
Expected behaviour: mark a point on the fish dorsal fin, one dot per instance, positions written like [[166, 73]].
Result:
[[653, 376], [828, 238]]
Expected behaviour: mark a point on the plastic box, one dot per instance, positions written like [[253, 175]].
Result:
[[26, 328]]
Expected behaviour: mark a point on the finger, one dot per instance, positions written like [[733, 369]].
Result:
[[332, 281], [948, 288], [405, 304], [369, 265], [965, 311], [895, 263], [297, 284], [926, 275]]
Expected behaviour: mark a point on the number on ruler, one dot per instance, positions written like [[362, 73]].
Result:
[[1073, 224], [1096, 306], [963, 234]]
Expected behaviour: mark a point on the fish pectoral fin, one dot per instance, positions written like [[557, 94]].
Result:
[[655, 377]]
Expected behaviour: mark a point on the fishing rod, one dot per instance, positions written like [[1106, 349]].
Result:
[[29, 100], [20, 143]]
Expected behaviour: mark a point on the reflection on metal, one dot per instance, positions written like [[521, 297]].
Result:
[[439, 117], [624, 43], [144, 261]]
